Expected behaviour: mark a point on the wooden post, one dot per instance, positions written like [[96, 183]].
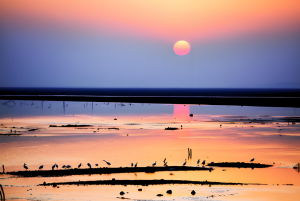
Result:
[[189, 153]]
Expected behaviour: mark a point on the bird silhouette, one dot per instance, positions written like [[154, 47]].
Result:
[[184, 163], [252, 160], [56, 165], [25, 166], [165, 160], [203, 163], [108, 163], [53, 166], [154, 164], [131, 164], [41, 167], [89, 165], [165, 164], [63, 166], [79, 165], [135, 164], [68, 166], [96, 165], [198, 162]]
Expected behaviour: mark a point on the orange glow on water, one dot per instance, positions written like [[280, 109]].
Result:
[[142, 138]]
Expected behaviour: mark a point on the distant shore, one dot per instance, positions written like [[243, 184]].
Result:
[[211, 96]]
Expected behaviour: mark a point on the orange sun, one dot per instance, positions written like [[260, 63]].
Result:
[[182, 47]]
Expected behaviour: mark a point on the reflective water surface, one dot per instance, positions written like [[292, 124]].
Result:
[[124, 133]]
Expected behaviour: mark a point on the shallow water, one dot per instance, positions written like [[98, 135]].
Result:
[[214, 133]]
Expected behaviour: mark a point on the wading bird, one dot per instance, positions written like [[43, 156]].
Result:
[[135, 164], [96, 165], [79, 165], [131, 164], [25, 166], [63, 166], [53, 166], [203, 163], [41, 167], [154, 164], [108, 163], [89, 165], [68, 166], [184, 163], [198, 162], [252, 160], [165, 164], [165, 160]]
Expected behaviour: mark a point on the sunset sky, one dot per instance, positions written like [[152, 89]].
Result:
[[100, 43]]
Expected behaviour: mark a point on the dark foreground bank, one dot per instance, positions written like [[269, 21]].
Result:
[[88, 171], [144, 182], [239, 165]]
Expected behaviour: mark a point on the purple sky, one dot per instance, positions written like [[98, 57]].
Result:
[[34, 54]]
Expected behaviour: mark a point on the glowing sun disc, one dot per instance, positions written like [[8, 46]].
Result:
[[182, 47]]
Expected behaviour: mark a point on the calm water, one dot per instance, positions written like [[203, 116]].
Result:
[[214, 133]]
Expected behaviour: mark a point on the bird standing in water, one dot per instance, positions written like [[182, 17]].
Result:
[[108, 163], [198, 162], [25, 166], [41, 167], [154, 164], [184, 163]]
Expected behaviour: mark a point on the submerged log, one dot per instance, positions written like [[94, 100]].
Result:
[[171, 128], [64, 172], [71, 125]]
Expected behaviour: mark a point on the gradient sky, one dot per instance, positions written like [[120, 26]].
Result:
[[100, 43]]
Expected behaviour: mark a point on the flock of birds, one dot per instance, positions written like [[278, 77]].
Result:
[[108, 163], [67, 166]]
